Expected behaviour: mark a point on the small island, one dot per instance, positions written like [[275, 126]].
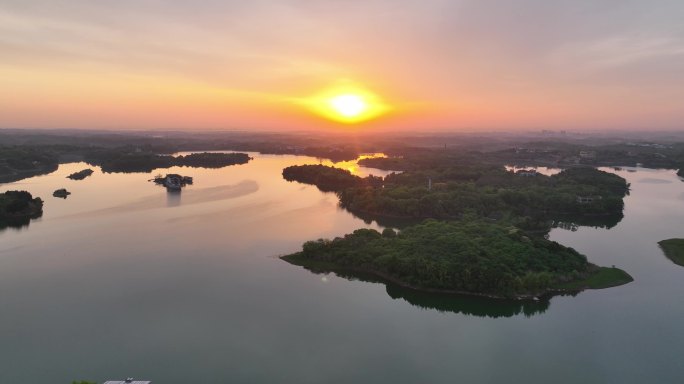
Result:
[[80, 175], [468, 256], [61, 193], [173, 181], [674, 250]]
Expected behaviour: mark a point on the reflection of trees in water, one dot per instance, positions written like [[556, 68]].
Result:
[[17, 222], [173, 198], [572, 223], [469, 305], [390, 222], [445, 302]]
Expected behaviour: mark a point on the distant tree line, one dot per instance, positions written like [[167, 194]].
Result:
[[112, 160], [18, 162]]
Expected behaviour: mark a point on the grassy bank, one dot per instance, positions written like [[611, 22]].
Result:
[[674, 250]]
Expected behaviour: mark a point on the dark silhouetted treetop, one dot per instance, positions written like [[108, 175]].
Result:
[[15, 204]]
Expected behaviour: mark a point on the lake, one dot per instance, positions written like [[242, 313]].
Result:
[[124, 279]]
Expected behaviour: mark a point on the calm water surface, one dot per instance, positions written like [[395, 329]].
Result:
[[123, 279]]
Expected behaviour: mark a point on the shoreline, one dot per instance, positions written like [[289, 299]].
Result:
[[317, 266]]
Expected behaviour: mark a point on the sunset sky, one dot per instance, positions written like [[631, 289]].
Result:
[[435, 64]]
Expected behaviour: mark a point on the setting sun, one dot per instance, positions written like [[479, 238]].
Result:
[[347, 103]]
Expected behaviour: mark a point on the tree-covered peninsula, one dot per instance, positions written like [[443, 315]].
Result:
[[532, 200], [471, 255], [328, 179]]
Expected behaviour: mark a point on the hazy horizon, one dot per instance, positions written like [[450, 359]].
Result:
[[439, 65]]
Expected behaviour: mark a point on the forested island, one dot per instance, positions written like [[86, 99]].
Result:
[[490, 191], [17, 208], [674, 250], [471, 255], [80, 175]]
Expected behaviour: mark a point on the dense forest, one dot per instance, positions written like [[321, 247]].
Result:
[[479, 246], [469, 255], [533, 202]]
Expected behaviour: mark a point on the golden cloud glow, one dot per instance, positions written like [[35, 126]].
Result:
[[347, 103]]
